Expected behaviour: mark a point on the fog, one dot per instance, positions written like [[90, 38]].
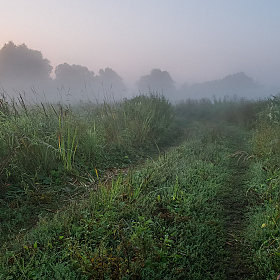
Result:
[[27, 72], [195, 42]]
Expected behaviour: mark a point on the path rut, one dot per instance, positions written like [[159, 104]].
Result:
[[234, 203]]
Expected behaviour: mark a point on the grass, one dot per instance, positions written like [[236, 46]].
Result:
[[96, 191], [239, 112], [47, 150], [263, 229], [154, 223]]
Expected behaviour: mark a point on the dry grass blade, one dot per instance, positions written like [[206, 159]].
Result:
[[241, 155]]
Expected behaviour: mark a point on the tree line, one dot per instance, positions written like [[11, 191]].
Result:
[[23, 69]]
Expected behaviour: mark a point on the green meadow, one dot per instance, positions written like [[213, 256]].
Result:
[[140, 189]]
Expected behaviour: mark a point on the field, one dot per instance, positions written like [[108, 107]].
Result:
[[140, 189]]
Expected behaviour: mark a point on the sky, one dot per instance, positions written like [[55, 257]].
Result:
[[194, 40]]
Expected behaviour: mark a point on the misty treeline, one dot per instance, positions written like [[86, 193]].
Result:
[[25, 71]]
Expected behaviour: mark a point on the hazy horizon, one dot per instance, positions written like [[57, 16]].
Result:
[[195, 42]]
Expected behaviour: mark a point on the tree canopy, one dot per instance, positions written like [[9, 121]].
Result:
[[159, 81], [22, 63], [109, 79], [73, 76]]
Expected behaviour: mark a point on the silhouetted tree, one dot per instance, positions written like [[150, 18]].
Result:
[[108, 82], [158, 81], [236, 85], [21, 66], [78, 80], [75, 77]]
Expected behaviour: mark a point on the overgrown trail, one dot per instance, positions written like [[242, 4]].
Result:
[[234, 203]]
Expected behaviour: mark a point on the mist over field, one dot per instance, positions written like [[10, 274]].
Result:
[[62, 50], [27, 72]]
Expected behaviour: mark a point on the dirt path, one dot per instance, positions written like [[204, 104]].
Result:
[[234, 202]]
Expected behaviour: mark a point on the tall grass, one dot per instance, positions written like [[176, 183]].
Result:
[[157, 222], [240, 112], [37, 140], [47, 150], [64, 169], [263, 233]]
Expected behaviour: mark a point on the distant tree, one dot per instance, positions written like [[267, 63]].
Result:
[[238, 80], [109, 84], [21, 65], [74, 76], [238, 84], [159, 81], [110, 79]]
